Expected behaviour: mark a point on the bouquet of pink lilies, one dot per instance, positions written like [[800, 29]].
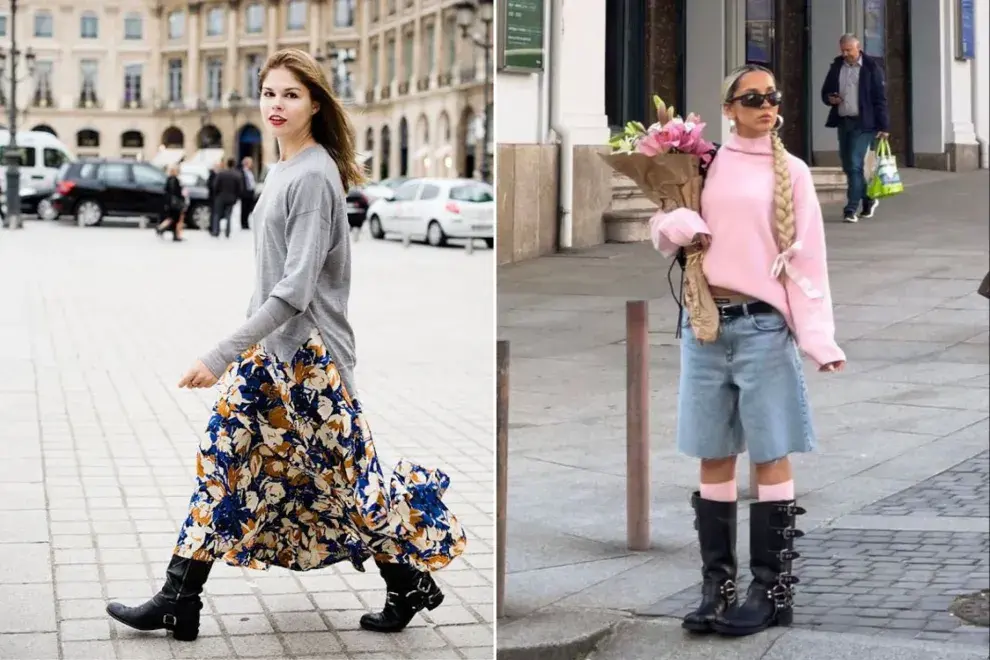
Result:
[[665, 161]]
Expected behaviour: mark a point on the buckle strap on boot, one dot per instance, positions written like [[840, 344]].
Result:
[[728, 592]]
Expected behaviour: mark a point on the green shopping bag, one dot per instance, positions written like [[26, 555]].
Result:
[[885, 179]]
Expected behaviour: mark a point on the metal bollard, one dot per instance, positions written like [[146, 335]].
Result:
[[469, 246], [406, 241], [637, 426], [501, 467]]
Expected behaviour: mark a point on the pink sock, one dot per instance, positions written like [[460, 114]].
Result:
[[723, 492], [783, 492]]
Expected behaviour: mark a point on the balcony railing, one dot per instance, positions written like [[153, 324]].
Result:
[[403, 88], [468, 74], [445, 79], [131, 103], [88, 101], [43, 100], [369, 96], [386, 92], [423, 84]]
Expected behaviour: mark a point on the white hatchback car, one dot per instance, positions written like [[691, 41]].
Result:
[[436, 210]]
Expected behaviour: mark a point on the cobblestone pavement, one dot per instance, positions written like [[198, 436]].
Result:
[[98, 445], [961, 492], [889, 581]]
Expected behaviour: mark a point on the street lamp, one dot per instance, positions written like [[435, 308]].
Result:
[[12, 156], [467, 11], [338, 59]]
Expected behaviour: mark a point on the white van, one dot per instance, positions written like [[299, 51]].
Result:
[[43, 155]]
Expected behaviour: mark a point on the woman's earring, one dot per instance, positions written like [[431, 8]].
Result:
[[732, 124], [779, 123]]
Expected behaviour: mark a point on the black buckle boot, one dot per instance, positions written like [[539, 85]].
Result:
[[408, 592], [770, 597], [716, 525], [176, 607]]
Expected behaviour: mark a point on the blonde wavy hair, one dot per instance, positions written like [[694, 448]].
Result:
[[783, 193]]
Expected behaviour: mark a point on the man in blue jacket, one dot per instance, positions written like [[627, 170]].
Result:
[[856, 91]]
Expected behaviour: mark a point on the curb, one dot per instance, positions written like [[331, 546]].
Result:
[[560, 635]]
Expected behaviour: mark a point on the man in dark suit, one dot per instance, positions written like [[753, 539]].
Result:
[[247, 197], [228, 187], [856, 91]]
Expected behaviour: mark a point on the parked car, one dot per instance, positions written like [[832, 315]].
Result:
[[193, 179], [436, 210], [95, 188], [384, 189], [42, 155], [357, 207]]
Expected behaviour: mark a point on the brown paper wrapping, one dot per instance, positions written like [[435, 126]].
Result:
[[673, 181]]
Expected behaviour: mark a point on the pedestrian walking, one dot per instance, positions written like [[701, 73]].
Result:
[[288, 474], [228, 187], [174, 213], [855, 90], [761, 226], [247, 195]]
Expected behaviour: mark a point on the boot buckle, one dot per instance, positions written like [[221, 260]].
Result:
[[169, 621], [728, 591], [792, 510], [788, 555], [791, 533], [781, 595]]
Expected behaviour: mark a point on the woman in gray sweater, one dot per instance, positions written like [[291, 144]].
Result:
[[288, 475]]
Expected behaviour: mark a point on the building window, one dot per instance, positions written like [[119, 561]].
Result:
[[43, 83], [89, 27], [43, 25], [296, 15], [874, 34], [214, 79], [175, 81], [133, 27], [254, 18], [759, 32], [3, 26], [390, 62], [88, 70], [450, 36], [407, 54], [176, 25], [132, 85], [214, 22], [430, 48], [343, 16], [254, 64], [374, 67]]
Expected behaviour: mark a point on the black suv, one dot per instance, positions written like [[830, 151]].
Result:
[[92, 189]]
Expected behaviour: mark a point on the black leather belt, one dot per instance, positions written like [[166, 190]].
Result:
[[746, 309]]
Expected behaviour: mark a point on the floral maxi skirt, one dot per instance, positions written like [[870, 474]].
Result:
[[287, 475]]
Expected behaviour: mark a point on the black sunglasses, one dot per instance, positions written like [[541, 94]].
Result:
[[755, 100]]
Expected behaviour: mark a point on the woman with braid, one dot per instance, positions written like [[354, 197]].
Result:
[[761, 227]]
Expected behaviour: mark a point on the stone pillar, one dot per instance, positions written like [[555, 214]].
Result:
[[828, 24], [418, 55], [316, 30], [705, 59], [67, 91], [272, 26], [577, 71], [943, 122], [981, 80], [232, 80], [110, 90], [362, 24], [437, 48], [193, 68], [155, 83], [962, 149]]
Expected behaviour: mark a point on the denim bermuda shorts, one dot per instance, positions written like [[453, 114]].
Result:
[[744, 391]]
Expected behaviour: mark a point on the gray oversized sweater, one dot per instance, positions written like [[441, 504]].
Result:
[[303, 267]]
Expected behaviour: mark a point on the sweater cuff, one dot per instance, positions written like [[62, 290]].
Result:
[[268, 318]]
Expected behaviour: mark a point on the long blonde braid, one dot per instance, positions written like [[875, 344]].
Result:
[[783, 196]]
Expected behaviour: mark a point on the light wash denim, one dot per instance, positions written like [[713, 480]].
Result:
[[744, 391]]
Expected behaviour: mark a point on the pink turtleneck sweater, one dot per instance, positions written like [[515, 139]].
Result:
[[738, 208]]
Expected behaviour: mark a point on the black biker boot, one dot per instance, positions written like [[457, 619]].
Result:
[[176, 607], [408, 592], [716, 525], [770, 597]]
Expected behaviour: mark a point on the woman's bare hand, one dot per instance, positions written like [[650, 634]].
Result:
[[704, 240], [833, 366], [198, 376]]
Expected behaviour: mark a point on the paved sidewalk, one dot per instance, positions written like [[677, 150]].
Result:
[[896, 494], [98, 446]]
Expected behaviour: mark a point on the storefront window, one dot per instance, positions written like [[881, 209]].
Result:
[[759, 32], [874, 35]]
